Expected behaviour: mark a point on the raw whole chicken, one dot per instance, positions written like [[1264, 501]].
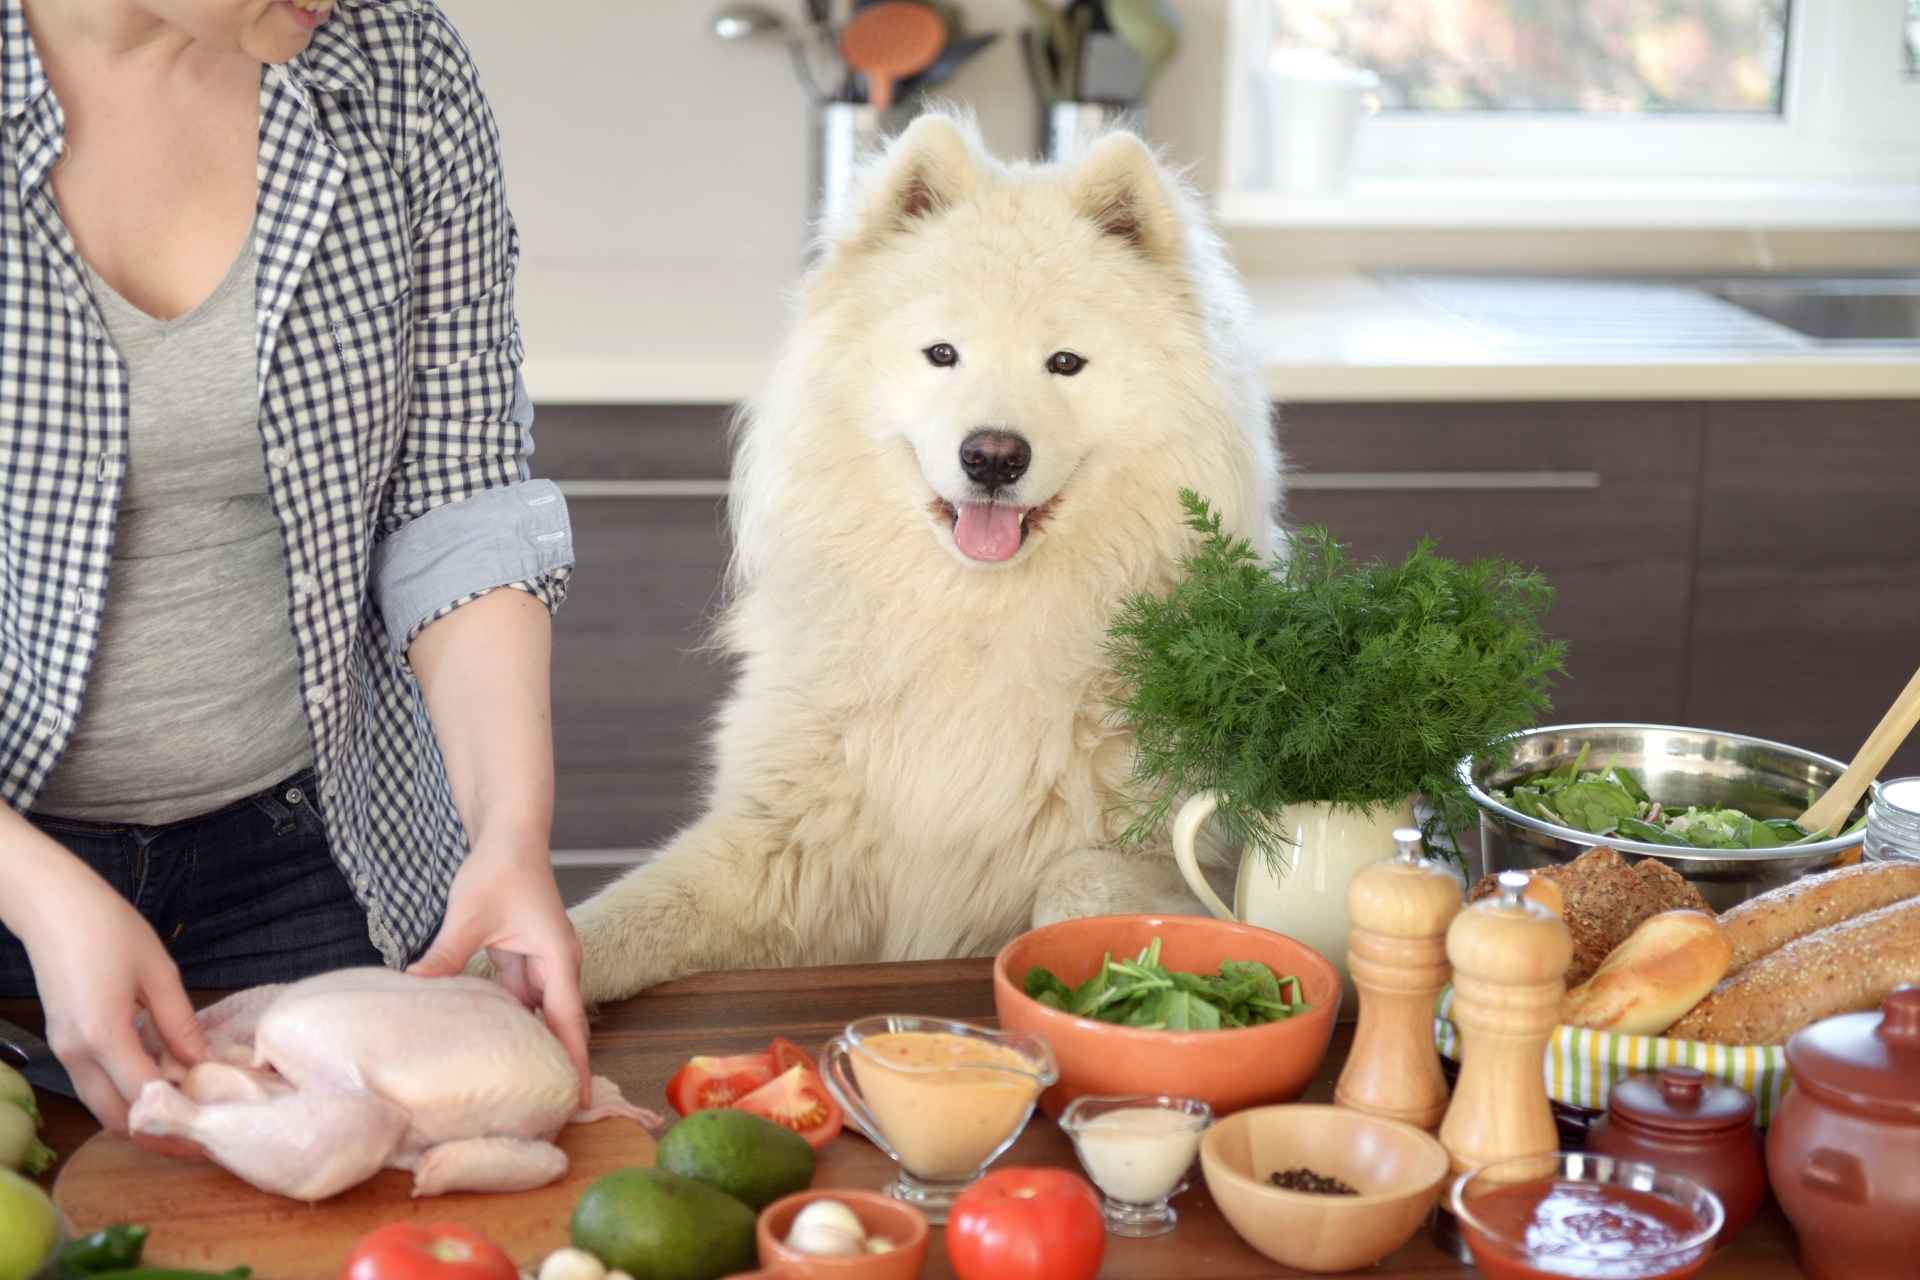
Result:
[[313, 1087]]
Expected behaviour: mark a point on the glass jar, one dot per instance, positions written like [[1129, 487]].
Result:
[[1893, 822]]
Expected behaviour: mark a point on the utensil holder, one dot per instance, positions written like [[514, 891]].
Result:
[[1067, 129], [843, 134]]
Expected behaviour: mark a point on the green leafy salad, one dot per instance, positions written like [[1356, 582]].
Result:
[[1143, 993], [1612, 802]]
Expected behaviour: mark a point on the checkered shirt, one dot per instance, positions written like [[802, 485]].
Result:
[[392, 418]]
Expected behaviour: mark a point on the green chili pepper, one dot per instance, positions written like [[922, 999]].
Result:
[[114, 1248], [170, 1273]]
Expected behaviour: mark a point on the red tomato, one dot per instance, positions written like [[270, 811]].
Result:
[[797, 1100], [420, 1251], [705, 1083], [1027, 1224], [787, 1055]]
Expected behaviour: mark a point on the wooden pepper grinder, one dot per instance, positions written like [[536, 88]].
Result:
[[1510, 958], [1397, 953]]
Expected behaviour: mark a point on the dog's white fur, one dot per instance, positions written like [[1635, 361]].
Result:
[[919, 757]]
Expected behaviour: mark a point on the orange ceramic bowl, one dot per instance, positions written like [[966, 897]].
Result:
[[879, 1215], [1227, 1070]]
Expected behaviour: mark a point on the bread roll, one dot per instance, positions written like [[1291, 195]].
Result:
[[1842, 968], [1763, 924], [1653, 978], [1604, 898]]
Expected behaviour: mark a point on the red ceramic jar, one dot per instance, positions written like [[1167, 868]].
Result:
[[1680, 1122], [1845, 1146]]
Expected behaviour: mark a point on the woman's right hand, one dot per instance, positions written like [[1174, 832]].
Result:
[[96, 964]]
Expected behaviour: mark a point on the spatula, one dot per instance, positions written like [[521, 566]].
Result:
[[890, 41], [1150, 27], [1831, 809]]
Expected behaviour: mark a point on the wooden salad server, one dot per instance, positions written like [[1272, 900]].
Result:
[[1825, 815], [1400, 908]]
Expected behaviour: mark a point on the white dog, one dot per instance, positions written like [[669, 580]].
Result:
[[970, 450]]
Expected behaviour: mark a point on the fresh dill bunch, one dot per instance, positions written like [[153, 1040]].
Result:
[[1315, 679]]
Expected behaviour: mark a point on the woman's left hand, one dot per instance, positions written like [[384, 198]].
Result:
[[504, 900]]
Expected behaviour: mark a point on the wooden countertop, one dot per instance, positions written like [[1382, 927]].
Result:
[[641, 1042]]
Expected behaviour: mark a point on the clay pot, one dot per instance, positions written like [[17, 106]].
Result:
[[1844, 1147], [1681, 1122]]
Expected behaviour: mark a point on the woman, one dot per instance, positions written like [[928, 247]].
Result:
[[264, 449]]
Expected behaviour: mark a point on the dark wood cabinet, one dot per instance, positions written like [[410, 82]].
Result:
[[1750, 566]]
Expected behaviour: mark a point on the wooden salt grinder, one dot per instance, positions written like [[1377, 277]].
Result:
[[1510, 959], [1397, 953]]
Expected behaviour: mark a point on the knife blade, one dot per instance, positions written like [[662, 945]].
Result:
[[34, 1059]]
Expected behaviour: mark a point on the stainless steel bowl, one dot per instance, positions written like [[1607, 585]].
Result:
[[1680, 767]]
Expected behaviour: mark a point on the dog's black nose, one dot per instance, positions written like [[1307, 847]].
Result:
[[994, 459]]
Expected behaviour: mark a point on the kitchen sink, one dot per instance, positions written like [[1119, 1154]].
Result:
[[1832, 310]]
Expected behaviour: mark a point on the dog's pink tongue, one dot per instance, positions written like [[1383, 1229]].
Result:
[[987, 530]]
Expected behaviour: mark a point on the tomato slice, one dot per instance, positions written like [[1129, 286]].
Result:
[[787, 1055], [705, 1083], [797, 1100]]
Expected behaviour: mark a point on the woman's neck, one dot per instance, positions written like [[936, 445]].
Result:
[[121, 32]]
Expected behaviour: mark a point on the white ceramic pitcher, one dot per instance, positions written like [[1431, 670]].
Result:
[[1304, 893]]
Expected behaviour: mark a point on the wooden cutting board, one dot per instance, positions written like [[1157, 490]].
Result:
[[204, 1218]]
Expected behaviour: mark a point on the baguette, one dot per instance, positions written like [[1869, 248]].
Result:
[[1766, 923], [1842, 968], [1649, 981]]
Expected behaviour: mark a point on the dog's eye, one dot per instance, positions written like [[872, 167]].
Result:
[[941, 355], [1065, 363]]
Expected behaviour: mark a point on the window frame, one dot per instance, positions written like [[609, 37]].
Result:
[[1843, 150]]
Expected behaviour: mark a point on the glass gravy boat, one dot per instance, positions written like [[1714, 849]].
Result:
[[944, 1099]]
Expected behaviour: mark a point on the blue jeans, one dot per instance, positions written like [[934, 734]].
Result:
[[241, 896]]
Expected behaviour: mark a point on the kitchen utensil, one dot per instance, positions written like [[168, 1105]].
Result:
[[1843, 1150], [1068, 128], [1137, 1168], [1679, 767], [1301, 892], [1399, 1172], [1040, 72], [1228, 1069], [1397, 954], [1509, 959], [1110, 71], [1683, 1122], [890, 41], [1827, 814], [881, 1216], [34, 1059], [957, 53], [945, 1117], [204, 1218], [844, 134], [747, 21], [1150, 26], [1583, 1247]]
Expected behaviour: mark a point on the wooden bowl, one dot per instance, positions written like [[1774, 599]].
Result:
[[1227, 1070], [880, 1215], [1400, 1172]]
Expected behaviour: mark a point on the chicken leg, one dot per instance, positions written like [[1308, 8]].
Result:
[[306, 1145]]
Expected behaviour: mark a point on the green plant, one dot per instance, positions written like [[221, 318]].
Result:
[[1315, 679]]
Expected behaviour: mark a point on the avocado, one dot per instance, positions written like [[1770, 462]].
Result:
[[658, 1224], [752, 1159]]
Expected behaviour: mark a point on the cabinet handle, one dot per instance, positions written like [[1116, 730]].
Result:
[[1302, 481], [643, 488]]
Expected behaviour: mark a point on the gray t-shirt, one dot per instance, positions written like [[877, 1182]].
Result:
[[193, 699]]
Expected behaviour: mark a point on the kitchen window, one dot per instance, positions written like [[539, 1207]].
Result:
[[1598, 112]]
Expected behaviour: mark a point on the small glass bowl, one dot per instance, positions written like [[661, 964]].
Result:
[[1498, 1251], [1138, 1168]]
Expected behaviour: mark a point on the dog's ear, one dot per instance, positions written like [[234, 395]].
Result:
[[928, 169], [1118, 185]]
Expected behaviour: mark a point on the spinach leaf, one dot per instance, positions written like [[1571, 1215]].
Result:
[[1143, 993], [1595, 806]]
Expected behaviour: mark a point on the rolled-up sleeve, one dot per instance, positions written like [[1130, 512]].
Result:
[[461, 516]]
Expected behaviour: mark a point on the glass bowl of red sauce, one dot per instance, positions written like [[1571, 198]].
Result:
[[1572, 1216]]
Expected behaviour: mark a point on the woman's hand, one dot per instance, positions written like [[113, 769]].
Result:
[[504, 900], [96, 964]]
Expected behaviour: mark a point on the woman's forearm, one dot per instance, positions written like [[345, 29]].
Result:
[[484, 671]]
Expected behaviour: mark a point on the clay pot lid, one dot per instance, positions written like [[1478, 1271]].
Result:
[[1864, 1062], [1681, 1100]]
